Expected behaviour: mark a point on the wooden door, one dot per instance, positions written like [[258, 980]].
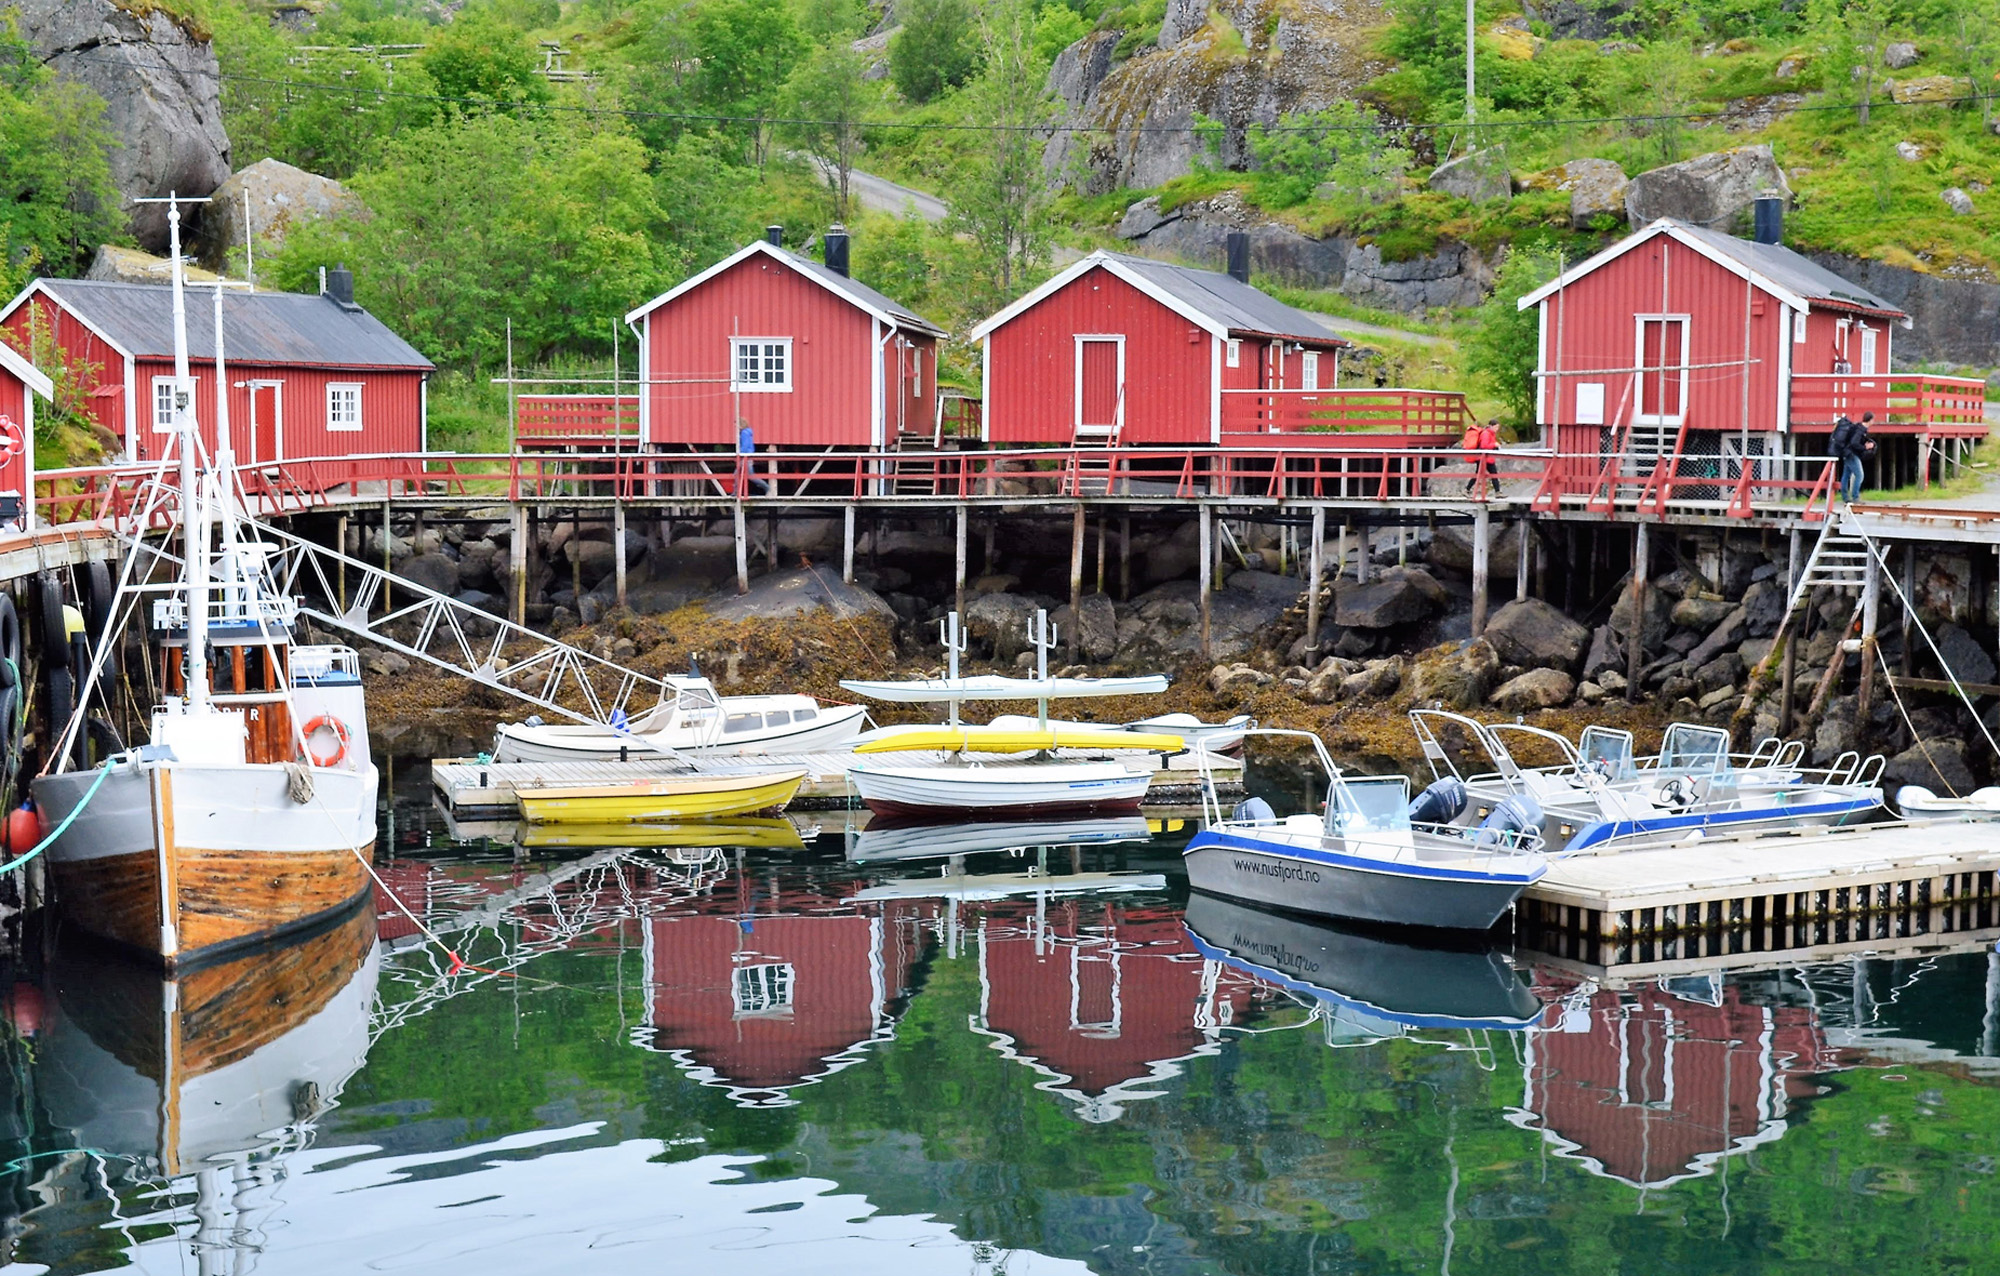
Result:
[[266, 427], [1100, 389], [1663, 370]]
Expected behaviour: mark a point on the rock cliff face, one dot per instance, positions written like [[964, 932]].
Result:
[[1954, 321], [161, 91], [1237, 61]]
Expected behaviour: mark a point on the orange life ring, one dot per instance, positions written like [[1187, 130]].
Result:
[[339, 730], [13, 439]]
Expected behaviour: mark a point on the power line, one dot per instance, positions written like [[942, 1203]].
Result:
[[1052, 127]]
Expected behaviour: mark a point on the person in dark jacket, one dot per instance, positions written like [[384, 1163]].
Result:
[[1851, 446]]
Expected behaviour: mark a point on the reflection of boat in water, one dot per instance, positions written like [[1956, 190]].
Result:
[[977, 886], [179, 1073], [771, 833], [1463, 986], [904, 839]]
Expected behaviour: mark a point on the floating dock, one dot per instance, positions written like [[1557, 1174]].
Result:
[[1696, 902], [467, 785]]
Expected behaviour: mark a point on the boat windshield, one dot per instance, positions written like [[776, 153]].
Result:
[[1369, 804], [1607, 751], [1694, 750]]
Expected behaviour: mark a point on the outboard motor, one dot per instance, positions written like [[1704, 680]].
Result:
[[1441, 803], [1254, 810], [1514, 817]]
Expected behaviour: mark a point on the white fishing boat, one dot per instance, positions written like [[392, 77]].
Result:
[[251, 810], [953, 779], [1918, 803], [1597, 797], [1374, 856], [691, 716]]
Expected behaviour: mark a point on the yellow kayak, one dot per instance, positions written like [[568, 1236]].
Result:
[[1011, 740], [775, 834], [660, 798]]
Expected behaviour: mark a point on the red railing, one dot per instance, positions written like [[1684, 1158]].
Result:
[[958, 416], [1903, 404], [1325, 418], [1545, 482], [569, 420]]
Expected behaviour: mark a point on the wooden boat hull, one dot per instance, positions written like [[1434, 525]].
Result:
[[187, 863], [1037, 788], [667, 798]]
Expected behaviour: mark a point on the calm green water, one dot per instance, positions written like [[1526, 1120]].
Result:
[[775, 1059]]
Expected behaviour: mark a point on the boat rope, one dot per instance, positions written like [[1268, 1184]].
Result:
[[1910, 610], [103, 774], [1904, 710]]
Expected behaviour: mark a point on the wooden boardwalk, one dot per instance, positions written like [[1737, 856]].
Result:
[[1765, 895], [467, 786]]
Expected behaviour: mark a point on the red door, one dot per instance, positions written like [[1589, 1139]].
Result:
[[1100, 390], [1663, 374], [265, 427]]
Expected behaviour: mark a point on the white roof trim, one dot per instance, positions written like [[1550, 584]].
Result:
[[1672, 229], [33, 377], [779, 255], [1119, 270], [38, 286]]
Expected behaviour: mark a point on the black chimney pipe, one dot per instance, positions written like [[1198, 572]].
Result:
[[775, 235], [836, 249], [1769, 213], [340, 285], [1237, 247]]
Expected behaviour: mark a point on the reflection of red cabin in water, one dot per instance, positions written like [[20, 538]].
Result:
[[1649, 1088], [20, 382], [761, 996], [1103, 999]]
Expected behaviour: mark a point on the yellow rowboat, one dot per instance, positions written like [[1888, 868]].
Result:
[[661, 798], [1009, 740], [751, 833]]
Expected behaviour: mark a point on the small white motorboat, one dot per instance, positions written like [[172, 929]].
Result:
[[691, 716], [993, 686], [1015, 788], [1918, 803]]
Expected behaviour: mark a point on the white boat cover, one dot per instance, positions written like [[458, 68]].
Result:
[[998, 687]]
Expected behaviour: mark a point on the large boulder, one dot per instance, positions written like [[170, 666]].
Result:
[[1451, 546], [1938, 765], [1536, 635], [1728, 631], [1596, 187], [434, 572], [1712, 190], [1605, 653], [280, 198], [999, 623], [1397, 597], [1535, 689], [1459, 678], [116, 265], [1963, 655], [1652, 623], [800, 592], [1097, 628], [1764, 606], [1480, 176], [161, 88], [1701, 611], [1926, 88]]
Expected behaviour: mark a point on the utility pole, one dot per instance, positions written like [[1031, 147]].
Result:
[[1468, 67]]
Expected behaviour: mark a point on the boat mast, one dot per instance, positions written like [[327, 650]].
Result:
[[236, 588], [194, 511]]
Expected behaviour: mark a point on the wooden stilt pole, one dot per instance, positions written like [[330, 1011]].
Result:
[[517, 556], [742, 551], [1364, 553], [1522, 541], [388, 567], [576, 558], [618, 548], [1909, 603], [1077, 532], [340, 543], [958, 548], [1124, 558], [847, 545], [1314, 553], [1103, 529], [1871, 609], [1481, 525], [1207, 573], [1635, 651]]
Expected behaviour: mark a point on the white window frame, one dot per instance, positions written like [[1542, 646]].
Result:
[[1798, 327], [1077, 426], [1639, 323], [1866, 361], [764, 346], [336, 421], [1309, 370], [1232, 352], [165, 424], [762, 990]]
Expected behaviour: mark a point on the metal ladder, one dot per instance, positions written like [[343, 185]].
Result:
[[1839, 557]]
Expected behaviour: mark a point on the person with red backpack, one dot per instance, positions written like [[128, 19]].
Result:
[[1481, 441]]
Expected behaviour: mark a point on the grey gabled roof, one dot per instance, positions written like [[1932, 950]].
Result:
[[861, 294], [257, 327], [1232, 304], [1792, 270]]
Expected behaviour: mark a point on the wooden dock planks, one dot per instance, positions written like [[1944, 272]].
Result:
[[469, 785]]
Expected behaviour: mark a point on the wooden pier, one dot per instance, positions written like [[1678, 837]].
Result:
[[1770, 895], [467, 786]]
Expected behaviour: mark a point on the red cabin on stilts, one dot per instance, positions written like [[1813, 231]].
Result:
[[20, 382]]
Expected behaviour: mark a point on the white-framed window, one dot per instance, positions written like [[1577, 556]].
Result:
[[164, 390], [1232, 353], [762, 989], [1798, 327], [343, 406], [1309, 370], [761, 364]]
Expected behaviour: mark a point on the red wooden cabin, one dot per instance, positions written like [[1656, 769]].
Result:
[[309, 376], [1128, 350], [1649, 1088], [20, 382], [1683, 340], [794, 350]]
